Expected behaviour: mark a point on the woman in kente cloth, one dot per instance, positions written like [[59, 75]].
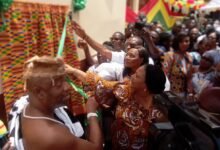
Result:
[[133, 99]]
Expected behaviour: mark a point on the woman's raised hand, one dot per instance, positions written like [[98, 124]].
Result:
[[82, 44], [79, 30]]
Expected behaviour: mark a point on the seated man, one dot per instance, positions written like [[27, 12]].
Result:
[[40, 121]]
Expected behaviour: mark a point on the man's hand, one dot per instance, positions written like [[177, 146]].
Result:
[[91, 105], [79, 31]]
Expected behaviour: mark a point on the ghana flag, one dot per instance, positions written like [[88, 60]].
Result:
[[157, 10]]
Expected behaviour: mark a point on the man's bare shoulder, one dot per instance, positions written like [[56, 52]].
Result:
[[43, 134]]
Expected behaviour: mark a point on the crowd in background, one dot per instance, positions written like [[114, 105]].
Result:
[[189, 53]]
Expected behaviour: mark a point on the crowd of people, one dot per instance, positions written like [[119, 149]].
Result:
[[121, 82], [189, 54]]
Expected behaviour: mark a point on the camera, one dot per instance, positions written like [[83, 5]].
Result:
[[139, 25]]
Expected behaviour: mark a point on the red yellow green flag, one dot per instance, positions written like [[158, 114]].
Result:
[[157, 11]]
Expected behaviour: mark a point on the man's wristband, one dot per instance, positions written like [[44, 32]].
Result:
[[91, 114]]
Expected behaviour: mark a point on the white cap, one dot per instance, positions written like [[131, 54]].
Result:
[[199, 39]]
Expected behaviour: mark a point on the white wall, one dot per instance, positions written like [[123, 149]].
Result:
[[101, 18]]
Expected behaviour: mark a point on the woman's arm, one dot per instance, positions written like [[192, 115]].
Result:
[[153, 50], [79, 74], [89, 60], [95, 86], [95, 45], [190, 90]]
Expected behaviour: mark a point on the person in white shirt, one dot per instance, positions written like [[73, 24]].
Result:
[[118, 56], [113, 56], [134, 58]]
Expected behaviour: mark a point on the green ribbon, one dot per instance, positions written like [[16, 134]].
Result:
[[74, 86], [60, 52], [62, 40]]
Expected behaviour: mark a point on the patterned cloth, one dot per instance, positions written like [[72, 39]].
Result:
[[72, 124], [33, 29], [130, 128], [177, 68]]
